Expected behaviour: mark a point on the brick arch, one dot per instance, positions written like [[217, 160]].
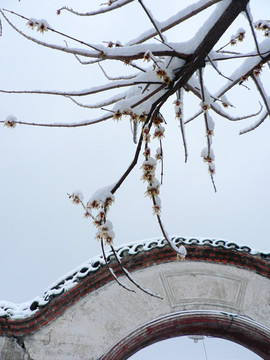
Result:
[[239, 329], [87, 313]]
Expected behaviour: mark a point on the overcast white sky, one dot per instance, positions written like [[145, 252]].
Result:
[[43, 235]]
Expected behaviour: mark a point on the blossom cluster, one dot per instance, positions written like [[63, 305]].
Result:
[[209, 157], [263, 25], [149, 165], [132, 115], [112, 44], [178, 109], [40, 25], [149, 168], [238, 37], [100, 202], [76, 197], [159, 67], [257, 71], [163, 75]]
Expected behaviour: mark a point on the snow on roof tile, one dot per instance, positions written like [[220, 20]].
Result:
[[13, 311]]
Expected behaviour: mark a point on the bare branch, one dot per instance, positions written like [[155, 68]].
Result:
[[100, 104], [91, 91], [131, 166], [111, 270], [255, 125], [66, 125], [248, 15], [128, 77], [126, 272], [115, 5], [262, 92], [217, 70], [179, 115], [152, 20], [227, 116]]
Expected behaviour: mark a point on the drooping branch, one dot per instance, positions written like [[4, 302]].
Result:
[[128, 275], [111, 270]]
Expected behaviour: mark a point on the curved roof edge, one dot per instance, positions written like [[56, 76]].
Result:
[[82, 280]]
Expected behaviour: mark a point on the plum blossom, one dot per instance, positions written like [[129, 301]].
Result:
[[76, 197], [208, 155], [159, 132], [10, 121], [181, 253], [42, 26], [32, 23], [158, 154]]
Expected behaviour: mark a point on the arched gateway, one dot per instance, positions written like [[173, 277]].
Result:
[[220, 290]]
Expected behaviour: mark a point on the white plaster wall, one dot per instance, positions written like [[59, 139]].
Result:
[[91, 326], [11, 350]]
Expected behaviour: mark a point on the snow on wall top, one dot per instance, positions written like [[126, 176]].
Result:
[[71, 279]]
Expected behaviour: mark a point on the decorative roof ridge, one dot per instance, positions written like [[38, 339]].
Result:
[[70, 280]]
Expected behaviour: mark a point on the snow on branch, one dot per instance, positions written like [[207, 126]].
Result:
[[111, 5], [164, 68], [175, 20]]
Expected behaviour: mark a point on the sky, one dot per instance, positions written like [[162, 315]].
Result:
[[43, 235]]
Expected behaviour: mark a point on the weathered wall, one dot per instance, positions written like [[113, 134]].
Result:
[[93, 324], [96, 321]]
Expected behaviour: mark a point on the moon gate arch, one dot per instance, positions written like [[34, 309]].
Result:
[[220, 290]]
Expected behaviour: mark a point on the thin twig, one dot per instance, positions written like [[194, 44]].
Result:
[[99, 105], [129, 77], [162, 162], [97, 12], [217, 70], [58, 32], [126, 272], [152, 20], [261, 92], [254, 126], [181, 122], [174, 20], [112, 272], [209, 132], [253, 32]]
